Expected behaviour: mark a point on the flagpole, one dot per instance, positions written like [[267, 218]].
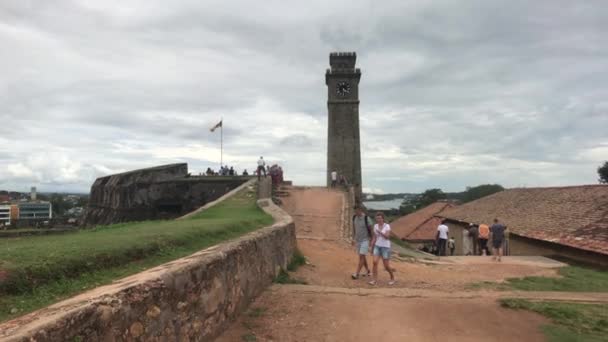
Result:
[[222, 143]]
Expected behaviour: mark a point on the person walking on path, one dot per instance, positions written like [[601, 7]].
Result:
[[484, 235], [451, 245], [442, 238], [261, 167], [362, 235], [497, 232], [381, 245]]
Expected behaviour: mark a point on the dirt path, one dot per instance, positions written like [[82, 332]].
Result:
[[429, 302]]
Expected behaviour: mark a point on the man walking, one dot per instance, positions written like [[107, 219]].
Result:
[[497, 232], [362, 233], [442, 238]]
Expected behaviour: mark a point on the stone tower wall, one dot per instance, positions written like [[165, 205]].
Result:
[[343, 139]]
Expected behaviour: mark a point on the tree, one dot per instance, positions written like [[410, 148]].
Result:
[[602, 171], [428, 197], [476, 192]]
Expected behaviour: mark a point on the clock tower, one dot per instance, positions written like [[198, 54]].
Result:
[[343, 144]]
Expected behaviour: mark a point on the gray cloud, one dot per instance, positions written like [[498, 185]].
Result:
[[452, 93]]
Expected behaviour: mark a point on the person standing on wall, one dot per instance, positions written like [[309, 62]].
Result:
[[484, 235], [442, 238], [334, 178], [362, 235], [261, 167], [381, 246], [497, 232]]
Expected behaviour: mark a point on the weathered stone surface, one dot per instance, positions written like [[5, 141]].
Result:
[[190, 299], [343, 142], [161, 192]]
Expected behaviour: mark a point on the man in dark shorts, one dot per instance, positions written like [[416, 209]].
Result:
[[362, 232], [497, 232]]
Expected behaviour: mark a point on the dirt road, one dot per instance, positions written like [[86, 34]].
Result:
[[336, 308]]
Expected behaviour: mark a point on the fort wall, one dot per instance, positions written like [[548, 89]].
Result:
[[189, 299], [162, 192]]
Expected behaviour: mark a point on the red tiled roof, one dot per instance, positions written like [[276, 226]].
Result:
[[575, 216], [420, 225]]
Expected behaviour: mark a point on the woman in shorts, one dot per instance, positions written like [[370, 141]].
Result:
[[381, 247]]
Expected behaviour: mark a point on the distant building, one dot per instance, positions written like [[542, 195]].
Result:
[[5, 214], [569, 222], [38, 211]]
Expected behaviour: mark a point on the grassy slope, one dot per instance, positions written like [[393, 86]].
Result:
[[573, 278], [44, 269], [572, 321]]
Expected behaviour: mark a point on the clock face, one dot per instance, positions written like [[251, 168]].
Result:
[[342, 88]]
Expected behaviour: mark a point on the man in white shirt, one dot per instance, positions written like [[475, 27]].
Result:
[[261, 168], [442, 237], [334, 178]]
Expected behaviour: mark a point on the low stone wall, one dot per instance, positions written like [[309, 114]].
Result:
[[348, 212], [189, 299]]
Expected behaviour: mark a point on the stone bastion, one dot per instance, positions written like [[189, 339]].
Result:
[[161, 192]]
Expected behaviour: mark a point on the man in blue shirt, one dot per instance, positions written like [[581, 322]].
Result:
[[497, 232]]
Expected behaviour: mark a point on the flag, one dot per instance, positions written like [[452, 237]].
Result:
[[219, 124]]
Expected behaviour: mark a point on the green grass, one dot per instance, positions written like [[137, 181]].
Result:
[[297, 260], [39, 270], [571, 321], [573, 279], [402, 243], [285, 278]]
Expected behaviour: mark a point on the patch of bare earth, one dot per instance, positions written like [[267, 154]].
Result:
[[285, 316], [284, 313]]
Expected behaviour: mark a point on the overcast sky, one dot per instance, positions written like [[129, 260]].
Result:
[[453, 93]]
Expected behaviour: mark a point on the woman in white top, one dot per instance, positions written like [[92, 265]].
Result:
[[381, 246]]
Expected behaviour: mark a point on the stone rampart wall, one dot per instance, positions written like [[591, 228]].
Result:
[[190, 299], [162, 192]]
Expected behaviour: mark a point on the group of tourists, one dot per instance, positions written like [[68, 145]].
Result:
[[275, 171], [372, 237], [338, 179], [224, 171], [474, 235]]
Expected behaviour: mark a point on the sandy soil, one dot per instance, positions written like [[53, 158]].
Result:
[[286, 316], [348, 314]]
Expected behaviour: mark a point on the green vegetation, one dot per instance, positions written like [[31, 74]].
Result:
[[573, 279], [602, 172], [401, 243], [431, 196], [572, 322], [256, 312], [297, 260], [38, 270], [249, 337], [285, 278]]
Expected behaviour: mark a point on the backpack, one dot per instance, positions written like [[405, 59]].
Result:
[[366, 219]]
